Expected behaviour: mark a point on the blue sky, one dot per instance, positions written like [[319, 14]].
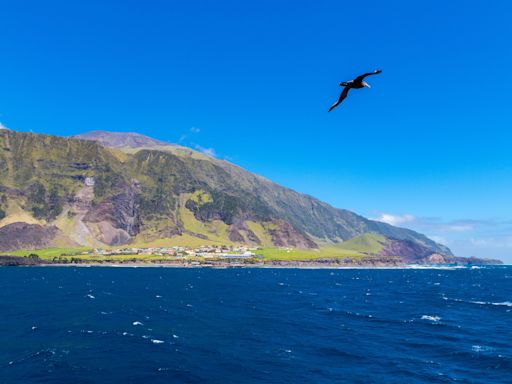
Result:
[[428, 147]]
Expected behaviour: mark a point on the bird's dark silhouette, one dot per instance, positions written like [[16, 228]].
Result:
[[357, 83]]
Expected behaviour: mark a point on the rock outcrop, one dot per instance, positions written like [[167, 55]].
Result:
[[285, 235], [116, 219], [27, 236]]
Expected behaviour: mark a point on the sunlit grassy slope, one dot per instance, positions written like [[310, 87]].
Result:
[[367, 242], [16, 214], [307, 254], [361, 246]]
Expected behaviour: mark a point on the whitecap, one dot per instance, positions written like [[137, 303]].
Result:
[[90, 296], [137, 323], [430, 318], [503, 303], [156, 341], [175, 336], [481, 348]]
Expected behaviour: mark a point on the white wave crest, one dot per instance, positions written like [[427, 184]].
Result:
[[503, 303]]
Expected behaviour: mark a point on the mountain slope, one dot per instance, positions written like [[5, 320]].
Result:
[[121, 139], [110, 189]]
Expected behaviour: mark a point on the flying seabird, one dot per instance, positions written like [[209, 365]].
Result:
[[357, 83]]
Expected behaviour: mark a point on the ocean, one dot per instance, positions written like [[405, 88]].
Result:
[[172, 325]]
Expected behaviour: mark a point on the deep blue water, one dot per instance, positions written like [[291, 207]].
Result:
[[165, 325]]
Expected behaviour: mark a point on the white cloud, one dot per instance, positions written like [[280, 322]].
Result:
[[430, 224], [207, 151], [2, 126], [458, 228], [395, 219], [191, 131], [492, 242], [480, 237]]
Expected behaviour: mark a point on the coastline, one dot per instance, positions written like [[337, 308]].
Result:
[[258, 262], [288, 265]]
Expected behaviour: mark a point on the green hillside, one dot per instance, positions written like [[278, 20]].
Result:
[[145, 192], [366, 243]]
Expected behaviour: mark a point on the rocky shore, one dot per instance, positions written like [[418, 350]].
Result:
[[369, 262], [13, 261]]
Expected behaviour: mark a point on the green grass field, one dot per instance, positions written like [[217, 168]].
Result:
[[360, 246], [308, 254]]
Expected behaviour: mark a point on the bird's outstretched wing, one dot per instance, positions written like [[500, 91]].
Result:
[[344, 94], [360, 78]]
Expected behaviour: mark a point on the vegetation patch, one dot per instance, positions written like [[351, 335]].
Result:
[[48, 253], [307, 254], [214, 230], [370, 243]]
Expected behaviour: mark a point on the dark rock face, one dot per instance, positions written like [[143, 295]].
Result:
[[285, 235], [411, 253], [235, 236], [14, 261], [251, 236], [26, 236], [117, 212], [238, 229], [408, 251], [471, 261], [476, 260]]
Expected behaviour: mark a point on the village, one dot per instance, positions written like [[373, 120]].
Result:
[[212, 252]]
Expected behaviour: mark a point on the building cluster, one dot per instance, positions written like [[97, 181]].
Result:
[[225, 252]]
